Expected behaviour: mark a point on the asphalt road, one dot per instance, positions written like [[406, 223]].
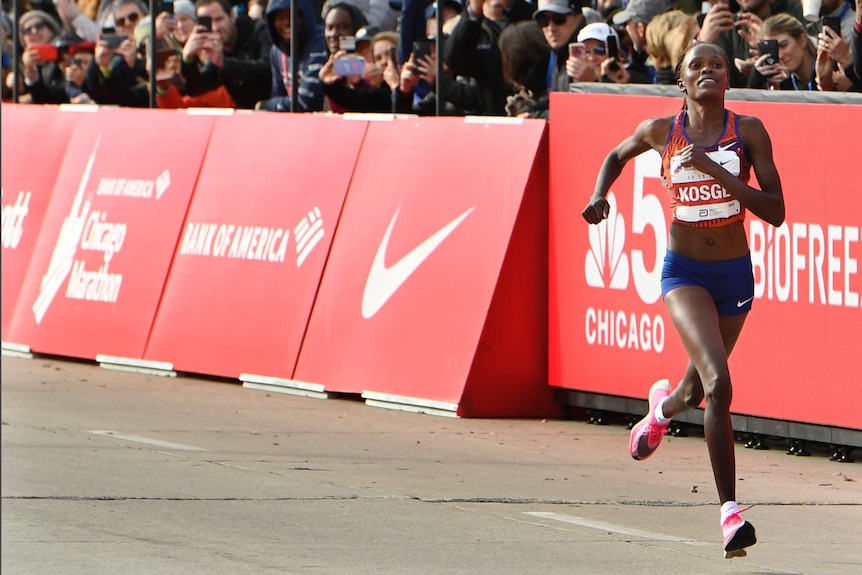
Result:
[[121, 474]]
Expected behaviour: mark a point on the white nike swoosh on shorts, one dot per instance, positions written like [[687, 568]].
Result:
[[383, 282]]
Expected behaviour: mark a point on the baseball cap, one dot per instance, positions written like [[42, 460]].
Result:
[[431, 10], [366, 33], [596, 31], [556, 6], [642, 11]]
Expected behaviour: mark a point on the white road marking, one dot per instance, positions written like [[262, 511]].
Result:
[[609, 527], [148, 441]]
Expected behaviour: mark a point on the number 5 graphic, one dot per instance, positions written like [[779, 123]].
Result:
[[647, 211]]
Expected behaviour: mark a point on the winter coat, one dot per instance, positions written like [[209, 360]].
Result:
[[312, 56]]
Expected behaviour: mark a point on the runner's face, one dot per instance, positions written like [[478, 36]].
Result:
[[704, 71]]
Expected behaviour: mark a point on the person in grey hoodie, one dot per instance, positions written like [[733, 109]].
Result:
[[312, 55]]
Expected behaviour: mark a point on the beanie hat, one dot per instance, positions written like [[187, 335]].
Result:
[[185, 7], [44, 16]]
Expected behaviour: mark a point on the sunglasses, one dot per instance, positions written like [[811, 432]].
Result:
[[121, 21], [545, 18], [600, 50], [33, 28]]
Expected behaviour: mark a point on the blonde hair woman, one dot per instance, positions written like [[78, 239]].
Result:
[[797, 55], [667, 37]]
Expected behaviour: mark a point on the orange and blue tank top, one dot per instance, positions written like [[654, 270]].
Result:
[[696, 199]]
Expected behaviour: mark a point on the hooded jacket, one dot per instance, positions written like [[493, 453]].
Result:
[[312, 55]]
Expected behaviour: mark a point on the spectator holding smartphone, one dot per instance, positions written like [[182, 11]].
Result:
[[235, 53], [341, 23], [44, 80], [312, 56], [595, 38], [794, 69], [835, 69], [116, 75], [737, 33], [842, 10], [366, 93]]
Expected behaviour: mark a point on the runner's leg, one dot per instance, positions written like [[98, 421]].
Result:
[[689, 392], [703, 335]]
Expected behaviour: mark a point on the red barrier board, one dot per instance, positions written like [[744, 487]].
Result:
[[258, 231], [798, 357], [417, 260], [34, 142], [109, 233]]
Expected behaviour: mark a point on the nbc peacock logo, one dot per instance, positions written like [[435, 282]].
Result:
[[606, 263]]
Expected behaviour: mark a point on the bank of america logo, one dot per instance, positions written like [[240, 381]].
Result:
[[606, 265]]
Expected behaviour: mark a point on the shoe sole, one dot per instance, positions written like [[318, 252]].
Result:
[[643, 442], [744, 537]]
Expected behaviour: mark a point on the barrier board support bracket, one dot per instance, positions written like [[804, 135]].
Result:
[[411, 404], [17, 350], [279, 385], [160, 368]]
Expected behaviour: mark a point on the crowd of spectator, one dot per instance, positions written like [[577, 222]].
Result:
[[500, 57]]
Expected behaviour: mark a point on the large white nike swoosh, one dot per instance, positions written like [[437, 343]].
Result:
[[383, 282], [727, 146]]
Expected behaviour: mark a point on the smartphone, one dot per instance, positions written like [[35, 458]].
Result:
[[206, 22], [769, 47], [577, 50], [393, 55], [347, 43], [167, 6], [349, 66], [613, 47], [421, 49], [47, 52], [833, 22], [110, 36]]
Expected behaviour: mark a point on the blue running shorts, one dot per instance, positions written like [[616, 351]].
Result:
[[729, 282]]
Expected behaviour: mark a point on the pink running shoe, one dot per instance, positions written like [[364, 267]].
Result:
[[737, 534], [648, 432]]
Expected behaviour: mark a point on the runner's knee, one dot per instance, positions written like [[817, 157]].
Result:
[[718, 391]]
